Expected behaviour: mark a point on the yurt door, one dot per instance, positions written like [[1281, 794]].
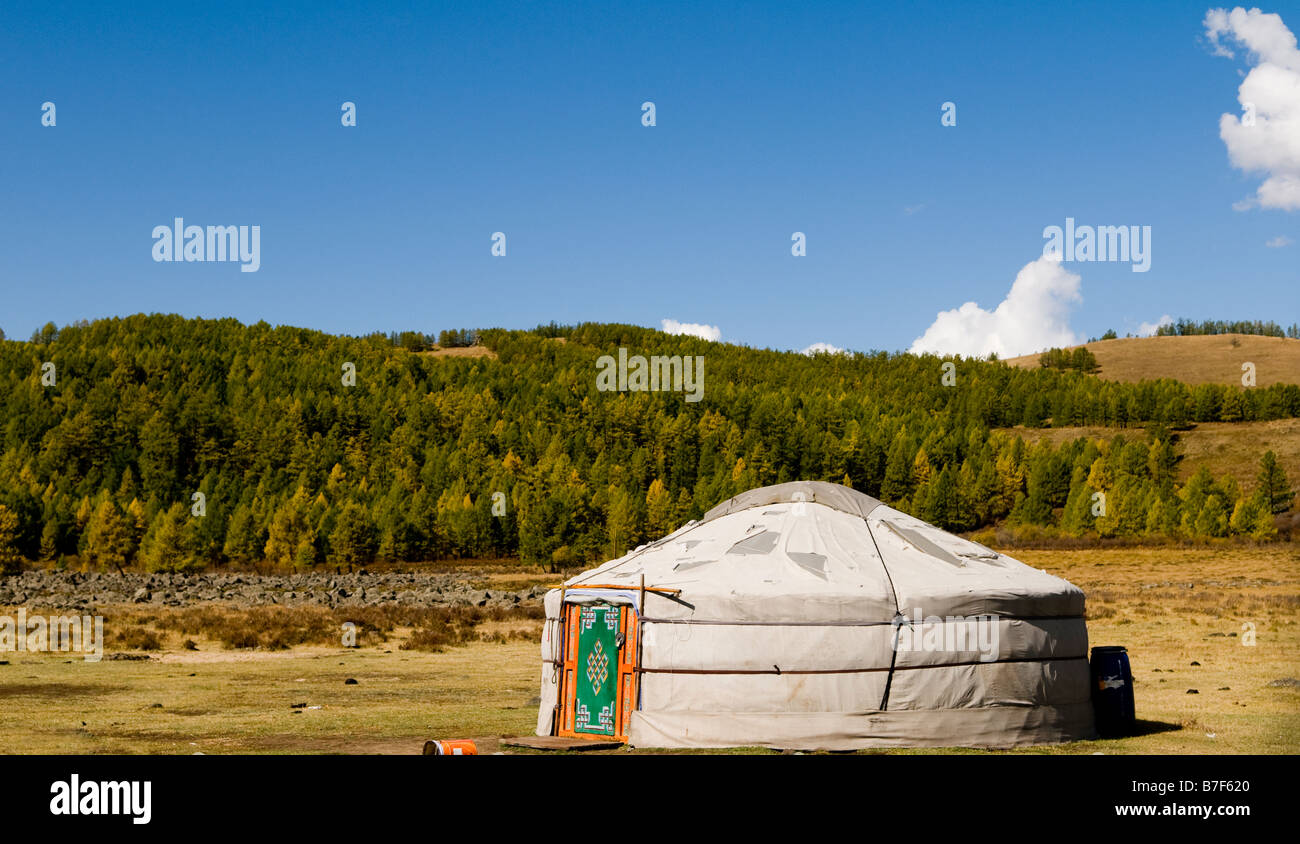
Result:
[[599, 677]]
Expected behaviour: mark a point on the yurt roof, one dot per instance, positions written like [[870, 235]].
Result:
[[835, 496], [815, 549]]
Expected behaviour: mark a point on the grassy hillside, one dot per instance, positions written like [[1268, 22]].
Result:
[[1203, 359], [461, 352], [168, 443], [1225, 448]]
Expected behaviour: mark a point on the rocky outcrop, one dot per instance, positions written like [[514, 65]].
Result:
[[84, 591]]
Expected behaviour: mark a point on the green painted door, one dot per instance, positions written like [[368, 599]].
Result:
[[597, 669]]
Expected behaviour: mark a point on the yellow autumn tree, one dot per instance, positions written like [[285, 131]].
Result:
[[659, 509]]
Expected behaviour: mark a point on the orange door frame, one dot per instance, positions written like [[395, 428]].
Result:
[[628, 654]]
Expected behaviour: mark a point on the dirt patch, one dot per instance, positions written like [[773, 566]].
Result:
[[353, 745], [202, 657], [462, 352], [56, 691]]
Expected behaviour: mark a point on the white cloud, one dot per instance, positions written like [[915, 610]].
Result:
[[694, 329], [1148, 329], [823, 348], [1278, 242], [1272, 145], [1034, 316]]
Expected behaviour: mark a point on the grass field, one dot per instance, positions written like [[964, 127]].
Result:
[[1172, 607], [461, 352], [1198, 359], [1225, 448]]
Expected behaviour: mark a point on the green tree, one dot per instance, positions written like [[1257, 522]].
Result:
[[620, 521], [659, 510], [108, 537], [1162, 464], [898, 483], [1273, 484], [11, 560], [291, 538], [1250, 513], [943, 503], [52, 536], [159, 457], [169, 545], [353, 540], [1163, 516], [244, 541], [1213, 518], [1077, 518]]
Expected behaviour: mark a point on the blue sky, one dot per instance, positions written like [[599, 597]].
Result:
[[525, 118]]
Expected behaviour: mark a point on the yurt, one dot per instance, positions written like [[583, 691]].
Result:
[[810, 616]]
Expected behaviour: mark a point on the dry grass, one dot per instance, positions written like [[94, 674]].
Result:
[[1202, 359], [280, 628], [461, 352], [1235, 448], [135, 639], [1175, 607], [1171, 607], [1225, 448], [243, 702]]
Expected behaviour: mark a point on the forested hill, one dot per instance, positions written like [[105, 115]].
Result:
[[104, 451]]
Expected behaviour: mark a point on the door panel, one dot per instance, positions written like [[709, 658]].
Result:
[[599, 671]]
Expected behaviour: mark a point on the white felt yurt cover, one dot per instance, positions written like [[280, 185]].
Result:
[[811, 616]]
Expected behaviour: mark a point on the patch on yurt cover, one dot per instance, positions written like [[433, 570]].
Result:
[[597, 682]]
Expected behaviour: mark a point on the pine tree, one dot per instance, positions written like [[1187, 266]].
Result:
[[1162, 463], [898, 483], [244, 541], [136, 523], [422, 516], [1163, 516], [620, 522], [1246, 513], [1234, 407], [1033, 508], [108, 537], [168, 545], [353, 539], [1194, 495], [1264, 529], [11, 560], [291, 537], [159, 457], [921, 468], [1213, 518], [1273, 484], [682, 508], [1077, 518], [943, 501], [1010, 474], [659, 510], [51, 538]]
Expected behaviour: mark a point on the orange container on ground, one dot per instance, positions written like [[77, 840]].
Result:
[[454, 747]]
